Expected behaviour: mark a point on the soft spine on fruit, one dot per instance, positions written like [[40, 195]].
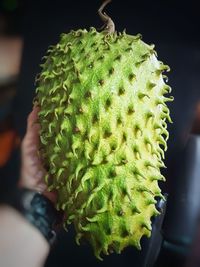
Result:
[[103, 134]]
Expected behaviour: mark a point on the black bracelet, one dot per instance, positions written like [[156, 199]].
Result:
[[37, 209]]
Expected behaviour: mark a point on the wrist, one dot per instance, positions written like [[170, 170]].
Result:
[[37, 210], [40, 212]]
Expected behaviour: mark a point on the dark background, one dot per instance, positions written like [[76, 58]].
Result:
[[173, 26]]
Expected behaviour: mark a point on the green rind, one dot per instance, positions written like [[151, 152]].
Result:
[[103, 131]]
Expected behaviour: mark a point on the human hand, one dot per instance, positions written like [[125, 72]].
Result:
[[32, 170]]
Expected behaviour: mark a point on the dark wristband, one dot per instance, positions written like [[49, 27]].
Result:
[[37, 209]]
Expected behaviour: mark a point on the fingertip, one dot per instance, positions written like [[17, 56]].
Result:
[[33, 116], [36, 107]]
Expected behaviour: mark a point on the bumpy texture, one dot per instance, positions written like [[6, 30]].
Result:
[[103, 131]]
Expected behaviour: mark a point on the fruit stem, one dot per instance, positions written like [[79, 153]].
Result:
[[109, 26]]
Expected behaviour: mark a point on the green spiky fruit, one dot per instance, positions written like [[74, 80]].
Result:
[[103, 132]]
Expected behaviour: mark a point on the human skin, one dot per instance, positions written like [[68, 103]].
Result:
[[21, 244], [32, 171]]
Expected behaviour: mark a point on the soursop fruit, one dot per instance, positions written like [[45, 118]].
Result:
[[103, 134]]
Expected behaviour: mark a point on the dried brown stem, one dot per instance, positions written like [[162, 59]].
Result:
[[109, 26]]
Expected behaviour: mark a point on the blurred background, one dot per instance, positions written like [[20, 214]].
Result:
[[28, 27]]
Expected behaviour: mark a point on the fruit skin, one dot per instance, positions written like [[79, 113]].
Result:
[[103, 134]]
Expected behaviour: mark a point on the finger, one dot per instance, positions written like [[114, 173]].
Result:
[[32, 132], [40, 188], [32, 118]]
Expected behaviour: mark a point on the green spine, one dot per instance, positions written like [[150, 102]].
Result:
[[103, 134]]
